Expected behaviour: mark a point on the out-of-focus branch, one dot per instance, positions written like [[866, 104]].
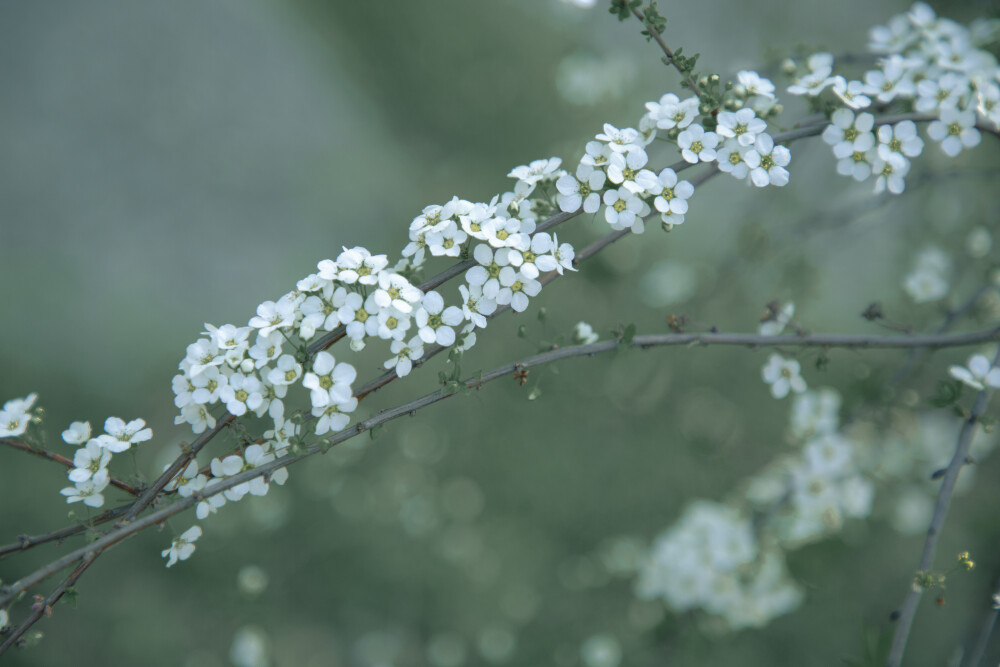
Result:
[[909, 609]]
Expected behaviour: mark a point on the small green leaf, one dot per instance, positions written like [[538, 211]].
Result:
[[629, 334], [522, 331]]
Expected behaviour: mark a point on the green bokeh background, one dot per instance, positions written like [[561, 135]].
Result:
[[170, 164]]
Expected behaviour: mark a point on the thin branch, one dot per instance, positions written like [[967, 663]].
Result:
[[950, 319], [59, 458], [989, 621], [909, 610], [640, 342], [25, 542], [45, 609], [667, 51]]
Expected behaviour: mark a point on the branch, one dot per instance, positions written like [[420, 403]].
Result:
[[25, 542], [59, 458], [912, 600], [640, 342], [667, 51], [989, 621], [45, 608]]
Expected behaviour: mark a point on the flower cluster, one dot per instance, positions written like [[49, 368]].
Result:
[[930, 64], [16, 415], [90, 474], [929, 279], [711, 559], [614, 170]]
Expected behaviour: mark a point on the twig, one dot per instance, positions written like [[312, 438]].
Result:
[[909, 610], [26, 542], [989, 621], [45, 609], [668, 52], [59, 458]]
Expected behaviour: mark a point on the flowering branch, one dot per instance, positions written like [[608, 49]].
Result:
[[59, 458], [960, 459]]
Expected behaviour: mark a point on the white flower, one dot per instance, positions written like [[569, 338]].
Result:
[[119, 436], [228, 336], [487, 274], [893, 80], [446, 242], [536, 171], [357, 265], [889, 173], [360, 315], [584, 334], [534, 258], [334, 417], [847, 134], [272, 316], [755, 84], [924, 285], [584, 190], [266, 349], [197, 416], [203, 354], [435, 322], [742, 125], [777, 319], [597, 154], [88, 492], [618, 140], [622, 208], [318, 311], [626, 170], [851, 92], [506, 233], [783, 376], [516, 288], [697, 145], [211, 504], [208, 385], [475, 221], [405, 355], [329, 381], [89, 461], [287, 371], [671, 197], [767, 162], [978, 373], [242, 392], [673, 112], [818, 77], [183, 546], [563, 254], [955, 130], [77, 433], [187, 481], [950, 90], [729, 158], [392, 324], [475, 306], [899, 139]]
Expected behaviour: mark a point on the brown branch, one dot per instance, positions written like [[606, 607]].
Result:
[[25, 542], [909, 610], [59, 458]]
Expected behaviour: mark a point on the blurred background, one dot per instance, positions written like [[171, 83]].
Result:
[[170, 164]]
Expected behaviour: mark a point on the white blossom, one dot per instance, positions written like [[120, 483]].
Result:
[[182, 547]]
